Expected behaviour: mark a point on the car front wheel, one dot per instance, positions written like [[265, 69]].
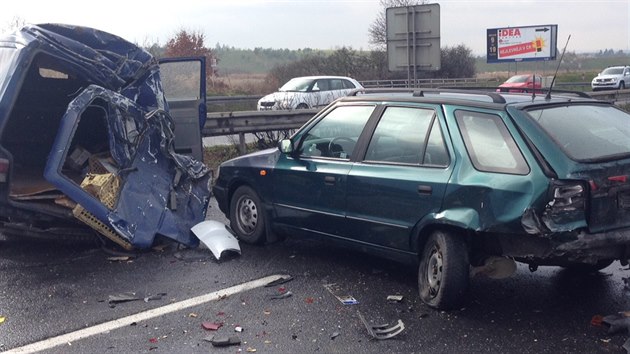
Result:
[[247, 217], [622, 85], [444, 270]]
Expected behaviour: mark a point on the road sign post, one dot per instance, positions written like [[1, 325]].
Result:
[[413, 39]]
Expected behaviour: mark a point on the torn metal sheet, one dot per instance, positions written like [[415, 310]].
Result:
[[216, 237], [384, 331]]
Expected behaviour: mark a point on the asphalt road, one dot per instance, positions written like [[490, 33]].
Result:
[[49, 290]]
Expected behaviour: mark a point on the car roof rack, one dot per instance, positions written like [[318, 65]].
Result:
[[420, 92], [581, 94], [496, 98]]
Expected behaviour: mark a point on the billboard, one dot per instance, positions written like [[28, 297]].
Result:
[[526, 43]]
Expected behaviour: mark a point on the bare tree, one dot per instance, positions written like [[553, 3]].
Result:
[[14, 24], [378, 29]]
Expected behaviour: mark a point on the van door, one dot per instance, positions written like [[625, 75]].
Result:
[[184, 85]]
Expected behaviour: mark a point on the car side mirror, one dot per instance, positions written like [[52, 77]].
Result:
[[286, 146]]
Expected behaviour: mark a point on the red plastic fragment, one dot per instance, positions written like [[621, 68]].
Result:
[[309, 300], [211, 326], [153, 340], [597, 320]]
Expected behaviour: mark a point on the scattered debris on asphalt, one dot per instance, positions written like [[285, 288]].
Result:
[[251, 350], [384, 331], [238, 329], [113, 300], [281, 280], [211, 326], [335, 289], [334, 335], [394, 298], [157, 296], [619, 322], [120, 298], [309, 300], [192, 314], [223, 341], [216, 237], [283, 295], [597, 320], [2, 319], [120, 258]]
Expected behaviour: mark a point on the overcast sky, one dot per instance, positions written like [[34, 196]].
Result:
[[328, 24]]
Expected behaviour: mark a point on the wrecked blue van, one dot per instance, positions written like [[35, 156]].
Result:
[[96, 134]]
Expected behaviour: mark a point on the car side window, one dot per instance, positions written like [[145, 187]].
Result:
[[336, 84], [489, 144], [322, 85], [348, 85], [336, 134], [408, 136]]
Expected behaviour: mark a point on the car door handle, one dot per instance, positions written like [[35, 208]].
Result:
[[425, 190], [329, 180]]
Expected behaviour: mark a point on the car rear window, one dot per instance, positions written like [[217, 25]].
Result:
[[587, 132]]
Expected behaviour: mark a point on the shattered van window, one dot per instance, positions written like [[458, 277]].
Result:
[[7, 55], [587, 132], [180, 80]]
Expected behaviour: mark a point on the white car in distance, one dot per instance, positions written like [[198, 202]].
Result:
[[614, 77], [308, 92]]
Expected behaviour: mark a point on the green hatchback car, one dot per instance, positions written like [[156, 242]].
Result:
[[447, 180]]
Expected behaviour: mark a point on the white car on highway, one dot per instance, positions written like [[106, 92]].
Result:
[[614, 77], [308, 92]]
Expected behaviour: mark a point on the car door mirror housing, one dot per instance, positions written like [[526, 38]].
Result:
[[286, 146]]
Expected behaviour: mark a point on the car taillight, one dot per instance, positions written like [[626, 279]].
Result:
[[4, 169], [568, 197]]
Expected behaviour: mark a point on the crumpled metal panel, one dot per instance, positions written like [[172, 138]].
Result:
[[162, 192]]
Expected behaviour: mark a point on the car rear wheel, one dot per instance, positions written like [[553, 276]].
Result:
[[444, 270], [247, 217], [302, 106]]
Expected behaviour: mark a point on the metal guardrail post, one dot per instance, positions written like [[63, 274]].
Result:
[[241, 143]]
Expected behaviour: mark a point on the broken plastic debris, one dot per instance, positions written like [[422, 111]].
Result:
[[124, 297], [224, 341], [119, 258], [157, 296], [211, 326], [192, 314], [597, 320], [281, 280], [238, 329], [283, 295], [334, 335], [251, 350], [394, 298], [617, 323], [334, 289], [153, 340], [216, 237], [2, 319], [383, 331]]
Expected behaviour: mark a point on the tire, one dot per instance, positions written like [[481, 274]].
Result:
[[588, 268], [622, 86], [247, 217], [444, 271], [302, 106]]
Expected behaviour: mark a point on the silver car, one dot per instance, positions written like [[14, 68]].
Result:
[[612, 78]]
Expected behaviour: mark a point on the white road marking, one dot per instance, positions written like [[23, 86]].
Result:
[[64, 339]]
